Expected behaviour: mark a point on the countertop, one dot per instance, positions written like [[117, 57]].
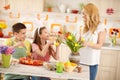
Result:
[[41, 71], [109, 46]]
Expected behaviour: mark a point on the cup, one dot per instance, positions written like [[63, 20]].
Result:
[[6, 60], [59, 67]]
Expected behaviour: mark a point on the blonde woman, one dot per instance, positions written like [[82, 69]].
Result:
[[94, 35]]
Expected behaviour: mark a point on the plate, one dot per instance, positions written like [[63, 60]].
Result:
[[29, 61], [50, 66]]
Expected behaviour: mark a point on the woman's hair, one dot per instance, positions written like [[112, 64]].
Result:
[[92, 11], [17, 27]]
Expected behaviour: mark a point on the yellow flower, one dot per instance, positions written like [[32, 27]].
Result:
[[3, 25], [70, 37], [56, 44], [76, 44], [67, 63], [71, 41]]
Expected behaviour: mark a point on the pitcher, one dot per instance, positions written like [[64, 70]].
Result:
[[62, 8]]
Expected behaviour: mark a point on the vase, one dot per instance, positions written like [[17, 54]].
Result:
[[75, 58], [49, 9], [1, 33], [6, 60], [114, 41]]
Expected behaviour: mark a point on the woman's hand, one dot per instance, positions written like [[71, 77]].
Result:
[[85, 44]]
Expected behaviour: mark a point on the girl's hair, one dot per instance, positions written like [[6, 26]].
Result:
[[92, 11], [37, 39]]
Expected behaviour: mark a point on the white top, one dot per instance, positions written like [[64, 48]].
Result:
[[90, 56]]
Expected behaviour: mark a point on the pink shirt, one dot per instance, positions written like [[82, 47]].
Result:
[[37, 56]]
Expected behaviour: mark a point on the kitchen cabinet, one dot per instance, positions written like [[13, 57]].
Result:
[[109, 67], [118, 68]]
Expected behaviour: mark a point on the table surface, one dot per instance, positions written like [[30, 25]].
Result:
[[42, 71]]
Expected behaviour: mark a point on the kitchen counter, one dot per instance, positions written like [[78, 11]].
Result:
[[108, 46], [21, 69]]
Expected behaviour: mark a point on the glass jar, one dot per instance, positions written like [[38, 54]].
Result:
[[114, 41], [59, 67]]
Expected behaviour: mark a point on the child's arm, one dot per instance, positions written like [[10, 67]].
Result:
[[9, 42], [55, 54], [42, 52], [18, 44]]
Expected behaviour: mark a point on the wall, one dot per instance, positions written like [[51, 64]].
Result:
[[32, 13], [20, 11]]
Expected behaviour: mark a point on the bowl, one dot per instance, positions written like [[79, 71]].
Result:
[[75, 11]]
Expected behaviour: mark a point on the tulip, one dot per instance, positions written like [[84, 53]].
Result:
[[76, 44], [70, 37]]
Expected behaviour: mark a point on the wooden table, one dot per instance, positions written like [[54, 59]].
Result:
[[41, 71]]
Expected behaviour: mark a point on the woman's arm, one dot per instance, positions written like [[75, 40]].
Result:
[[98, 45]]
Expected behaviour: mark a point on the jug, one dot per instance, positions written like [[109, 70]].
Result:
[[62, 8]]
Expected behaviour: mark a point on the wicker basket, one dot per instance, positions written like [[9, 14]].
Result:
[[69, 68]]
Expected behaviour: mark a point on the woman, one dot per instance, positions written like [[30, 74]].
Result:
[[42, 48], [94, 35]]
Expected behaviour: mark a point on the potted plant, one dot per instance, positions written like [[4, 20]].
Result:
[[81, 6], [6, 52], [70, 40], [2, 26], [49, 8]]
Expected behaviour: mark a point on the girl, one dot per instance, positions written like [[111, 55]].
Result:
[[42, 50]]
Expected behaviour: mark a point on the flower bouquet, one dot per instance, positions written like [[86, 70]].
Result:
[[70, 40], [6, 50], [113, 36], [2, 26], [6, 55]]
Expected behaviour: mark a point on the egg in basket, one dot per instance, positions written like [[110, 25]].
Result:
[[69, 66]]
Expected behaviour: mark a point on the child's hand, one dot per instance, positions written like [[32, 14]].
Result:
[[19, 44], [56, 43], [50, 42]]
